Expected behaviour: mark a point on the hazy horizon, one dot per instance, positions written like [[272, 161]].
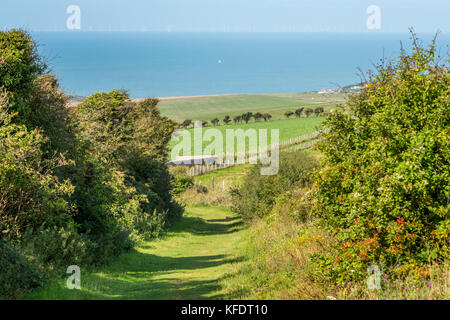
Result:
[[305, 16]]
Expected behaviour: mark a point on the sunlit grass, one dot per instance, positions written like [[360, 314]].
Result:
[[187, 263], [288, 129]]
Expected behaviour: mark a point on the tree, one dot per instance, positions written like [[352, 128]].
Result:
[[187, 123], [298, 112], [309, 112], [288, 114], [267, 116], [227, 119], [247, 116], [318, 111], [215, 121], [257, 116], [20, 65]]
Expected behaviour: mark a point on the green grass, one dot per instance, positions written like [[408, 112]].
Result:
[[231, 175], [189, 262], [207, 108], [288, 129]]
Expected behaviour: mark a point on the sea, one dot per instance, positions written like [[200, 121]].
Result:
[[189, 64]]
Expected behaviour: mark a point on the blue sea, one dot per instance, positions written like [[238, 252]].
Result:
[[186, 64]]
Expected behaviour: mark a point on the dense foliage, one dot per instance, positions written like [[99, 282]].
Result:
[[132, 138], [257, 194], [385, 183], [20, 65], [77, 186], [15, 273]]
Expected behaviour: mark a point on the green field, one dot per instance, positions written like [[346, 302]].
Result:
[[210, 107], [288, 129]]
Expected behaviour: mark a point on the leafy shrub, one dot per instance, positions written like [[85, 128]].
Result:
[[128, 145], [55, 248], [384, 187], [180, 180], [15, 273], [29, 195], [20, 65], [181, 184], [257, 194], [296, 204]]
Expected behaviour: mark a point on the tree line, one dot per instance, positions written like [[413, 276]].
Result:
[[257, 116]]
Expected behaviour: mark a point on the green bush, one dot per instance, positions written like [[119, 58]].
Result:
[[180, 180], [384, 187], [16, 273], [257, 194], [19, 67], [181, 184], [29, 195], [130, 139]]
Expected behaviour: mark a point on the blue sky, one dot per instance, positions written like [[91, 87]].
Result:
[[228, 15]]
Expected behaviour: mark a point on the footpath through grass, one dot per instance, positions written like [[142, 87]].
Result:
[[189, 262]]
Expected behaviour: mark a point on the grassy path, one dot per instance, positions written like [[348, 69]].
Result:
[[189, 262]]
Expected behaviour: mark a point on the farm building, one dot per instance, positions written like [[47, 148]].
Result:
[[193, 160]]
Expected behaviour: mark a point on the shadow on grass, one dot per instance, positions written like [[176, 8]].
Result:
[[160, 289], [144, 263], [198, 226], [142, 275], [223, 220]]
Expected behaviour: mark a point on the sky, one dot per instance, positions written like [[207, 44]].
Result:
[[228, 15]]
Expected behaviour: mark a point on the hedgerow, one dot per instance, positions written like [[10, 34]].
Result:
[[384, 186], [77, 186]]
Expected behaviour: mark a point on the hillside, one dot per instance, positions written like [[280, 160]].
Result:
[[288, 129]]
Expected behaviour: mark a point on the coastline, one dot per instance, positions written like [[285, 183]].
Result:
[[75, 103], [357, 87]]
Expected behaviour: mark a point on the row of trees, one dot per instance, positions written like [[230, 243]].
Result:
[[308, 112], [245, 117], [258, 116]]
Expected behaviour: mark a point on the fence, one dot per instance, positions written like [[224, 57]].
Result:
[[222, 163]]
